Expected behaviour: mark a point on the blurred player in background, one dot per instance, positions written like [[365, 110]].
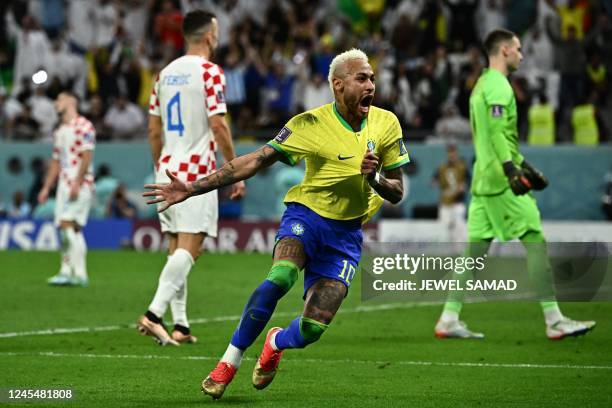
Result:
[[452, 177], [187, 107], [345, 145], [502, 206], [73, 146]]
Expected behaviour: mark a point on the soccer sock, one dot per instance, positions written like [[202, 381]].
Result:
[[233, 355], [256, 314], [173, 276], [261, 304], [73, 249], [79, 255], [552, 313], [540, 272], [66, 265], [301, 332], [454, 302], [178, 306]]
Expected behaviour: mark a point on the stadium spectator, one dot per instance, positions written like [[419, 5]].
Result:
[[597, 78], [490, 15], [452, 178], [279, 92], [124, 119], [32, 47], [106, 21], [25, 127], [135, 15], [96, 116], [20, 208], [52, 16], [168, 26], [81, 25], [43, 112], [316, 93], [571, 53], [235, 94], [120, 206], [119, 44], [67, 67], [537, 50], [452, 126], [572, 16], [462, 30]]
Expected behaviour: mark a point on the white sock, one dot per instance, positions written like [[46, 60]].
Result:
[[449, 316], [66, 266], [552, 313], [178, 306], [273, 341], [79, 255], [172, 278], [71, 248], [233, 355]]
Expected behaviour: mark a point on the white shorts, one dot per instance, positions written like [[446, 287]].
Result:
[[194, 215], [77, 210]]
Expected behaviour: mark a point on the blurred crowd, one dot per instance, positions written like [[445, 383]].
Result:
[[276, 56]]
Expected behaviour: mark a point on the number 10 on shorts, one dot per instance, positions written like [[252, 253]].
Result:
[[348, 271]]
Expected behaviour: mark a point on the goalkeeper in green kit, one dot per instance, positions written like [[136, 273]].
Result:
[[502, 206]]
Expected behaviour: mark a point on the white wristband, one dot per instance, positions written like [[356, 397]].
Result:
[[376, 180]]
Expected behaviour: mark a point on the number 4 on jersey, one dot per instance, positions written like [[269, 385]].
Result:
[[171, 115]]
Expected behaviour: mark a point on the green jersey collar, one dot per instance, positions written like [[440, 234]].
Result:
[[348, 127]]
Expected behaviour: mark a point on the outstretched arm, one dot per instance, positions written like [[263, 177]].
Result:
[[223, 136], [240, 168]]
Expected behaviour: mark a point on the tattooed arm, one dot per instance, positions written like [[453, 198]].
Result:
[[240, 168]]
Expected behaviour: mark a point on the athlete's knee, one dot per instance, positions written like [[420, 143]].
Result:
[[311, 330], [283, 274]]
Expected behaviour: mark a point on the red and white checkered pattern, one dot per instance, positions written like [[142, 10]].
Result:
[[196, 166], [69, 142], [186, 94], [214, 88]]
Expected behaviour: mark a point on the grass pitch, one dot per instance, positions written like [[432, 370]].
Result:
[[372, 355]]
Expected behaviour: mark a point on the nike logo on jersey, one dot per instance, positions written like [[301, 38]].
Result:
[[344, 157]]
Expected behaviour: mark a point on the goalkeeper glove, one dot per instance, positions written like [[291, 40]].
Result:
[[516, 177], [537, 179]]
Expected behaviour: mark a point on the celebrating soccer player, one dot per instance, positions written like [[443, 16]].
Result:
[[73, 145], [188, 107], [502, 206], [345, 145]]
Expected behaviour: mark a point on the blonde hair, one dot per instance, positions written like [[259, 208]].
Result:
[[340, 59]]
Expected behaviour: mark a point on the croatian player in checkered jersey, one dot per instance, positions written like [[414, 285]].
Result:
[[73, 146], [187, 107]]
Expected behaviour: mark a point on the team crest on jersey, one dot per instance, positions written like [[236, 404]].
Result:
[[220, 97], [402, 148], [88, 137], [497, 111], [284, 133], [297, 228], [371, 145]]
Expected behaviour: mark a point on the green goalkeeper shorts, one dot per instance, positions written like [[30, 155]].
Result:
[[505, 216]]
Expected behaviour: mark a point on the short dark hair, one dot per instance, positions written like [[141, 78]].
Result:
[[495, 38], [195, 21]]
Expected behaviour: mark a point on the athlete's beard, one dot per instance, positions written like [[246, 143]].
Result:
[[211, 52]]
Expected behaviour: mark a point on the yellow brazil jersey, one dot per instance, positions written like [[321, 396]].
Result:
[[333, 185]]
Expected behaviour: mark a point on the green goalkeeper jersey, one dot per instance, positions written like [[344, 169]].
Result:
[[493, 120]]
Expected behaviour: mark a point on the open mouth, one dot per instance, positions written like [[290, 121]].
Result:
[[365, 102]]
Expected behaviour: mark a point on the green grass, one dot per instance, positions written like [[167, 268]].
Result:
[[369, 358]]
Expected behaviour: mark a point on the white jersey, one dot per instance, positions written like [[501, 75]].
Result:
[[184, 90], [70, 140]]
